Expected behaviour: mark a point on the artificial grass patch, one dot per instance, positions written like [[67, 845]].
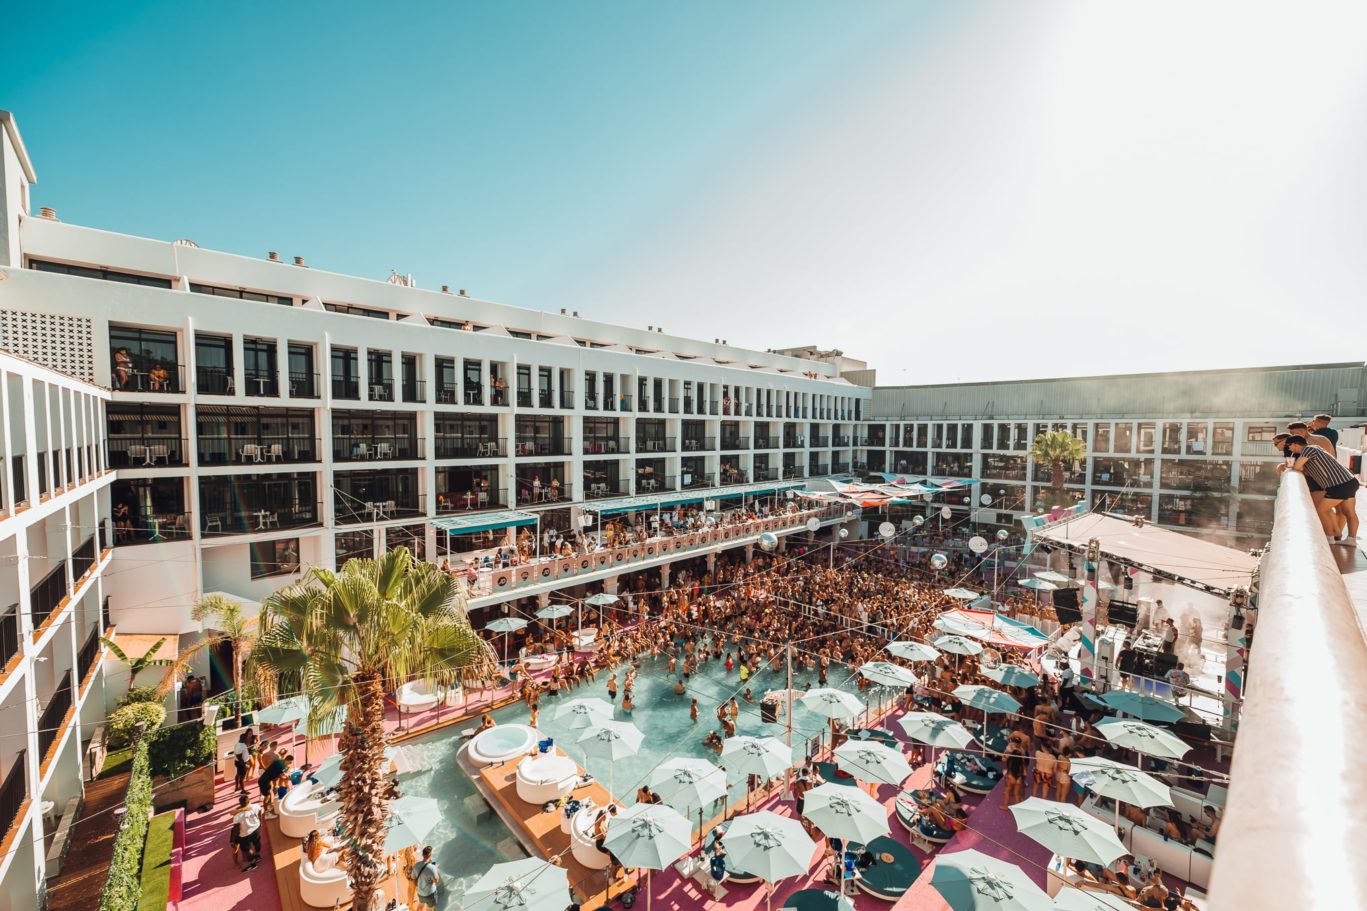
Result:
[[156, 861], [116, 762]]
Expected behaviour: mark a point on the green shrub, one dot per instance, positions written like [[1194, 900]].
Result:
[[139, 694], [123, 881], [177, 750], [119, 727]]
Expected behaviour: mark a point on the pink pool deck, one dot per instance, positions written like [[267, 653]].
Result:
[[212, 881]]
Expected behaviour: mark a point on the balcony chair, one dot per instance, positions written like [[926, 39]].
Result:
[[276, 453], [383, 451]]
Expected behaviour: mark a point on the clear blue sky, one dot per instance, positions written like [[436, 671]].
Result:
[[924, 185]]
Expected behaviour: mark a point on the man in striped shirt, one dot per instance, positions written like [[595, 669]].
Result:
[[1339, 486]]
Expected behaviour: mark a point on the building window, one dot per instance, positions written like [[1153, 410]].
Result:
[[214, 364], [1261, 433], [1146, 438], [1172, 438], [275, 558], [108, 275], [258, 365], [1102, 442], [353, 545], [356, 311], [243, 295], [144, 359], [1222, 441], [1196, 439]]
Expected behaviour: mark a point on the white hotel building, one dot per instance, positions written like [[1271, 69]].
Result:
[[229, 421], [54, 491], [266, 416]]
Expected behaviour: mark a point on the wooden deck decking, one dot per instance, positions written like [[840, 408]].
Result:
[[286, 854], [541, 831]]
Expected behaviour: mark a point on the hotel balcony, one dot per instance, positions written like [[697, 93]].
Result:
[[654, 483], [694, 481], [733, 444], [607, 445], [597, 490], [244, 504], [655, 444], [161, 377], [376, 447], [304, 386], [449, 447], [699, 444], [453, 501], [147, 450], [541, 446], [351, 511], [261, 450]]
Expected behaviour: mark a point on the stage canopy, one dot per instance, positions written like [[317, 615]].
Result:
[[897, 489], [471, 522], [1165, 554], [666, 499]]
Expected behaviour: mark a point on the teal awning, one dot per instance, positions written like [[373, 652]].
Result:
[[666, 499], [471, 522]]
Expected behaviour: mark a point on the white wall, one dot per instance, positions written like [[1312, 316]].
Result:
[[152, 588]]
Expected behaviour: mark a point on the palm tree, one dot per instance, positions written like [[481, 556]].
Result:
[[138, 665], [1057, 449], [344, 639], [227, 624]]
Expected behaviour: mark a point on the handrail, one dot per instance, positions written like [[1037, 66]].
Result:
[[1294, 834]]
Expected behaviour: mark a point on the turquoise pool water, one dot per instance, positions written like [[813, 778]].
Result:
[[471, 839]]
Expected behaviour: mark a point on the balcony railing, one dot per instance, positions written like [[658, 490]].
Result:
[[655, 444], [529, 494], [214, 381], [13, 792], [414, 391], [154, 529], [247, 521], [690, 482], [467, 500], [817, 469], [50, 722], [766, 442], [380, 390], [47, 595], [90, 650], [567, 399], [261, 383], [498, 397], [539, 446], [1280, 845], [19, 478], [545, 398], [375, 448], [9, 635], [731, 444], [767, 474], [728, 478], [821, 442], [147, 451], [654, 483], [346, 387], [674, 405], [352, 510], [264, 450], [160, 378], [699, 444], [792, 472], [607, 445], [449, 393], [83, 559], [304, 386], [597, 490], [524, 398], [470, 447]]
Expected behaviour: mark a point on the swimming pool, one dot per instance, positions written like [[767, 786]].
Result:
[[471, 839]]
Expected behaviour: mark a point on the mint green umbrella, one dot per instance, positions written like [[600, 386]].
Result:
[[973, 881], [411, 820]]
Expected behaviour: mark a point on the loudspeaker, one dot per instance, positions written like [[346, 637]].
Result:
[[1065, 605], [768, 712], [1123, 613]]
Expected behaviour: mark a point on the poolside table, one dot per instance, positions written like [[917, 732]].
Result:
[[813, 900], [830, 773], [894, 869]]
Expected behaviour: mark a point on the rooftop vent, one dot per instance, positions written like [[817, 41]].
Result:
[[563, 311], [445, 289], [273, 256], [403, 281], [462, 293], [49, 213], [650, 328], [185, 242], [299, 261], [576, 313]]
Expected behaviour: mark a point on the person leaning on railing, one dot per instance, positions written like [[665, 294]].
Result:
[[1337, 508]]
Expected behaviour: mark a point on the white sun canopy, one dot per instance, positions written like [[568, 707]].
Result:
[[1166, 554]]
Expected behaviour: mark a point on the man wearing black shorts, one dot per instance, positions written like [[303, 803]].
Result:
[[1339, 486]]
